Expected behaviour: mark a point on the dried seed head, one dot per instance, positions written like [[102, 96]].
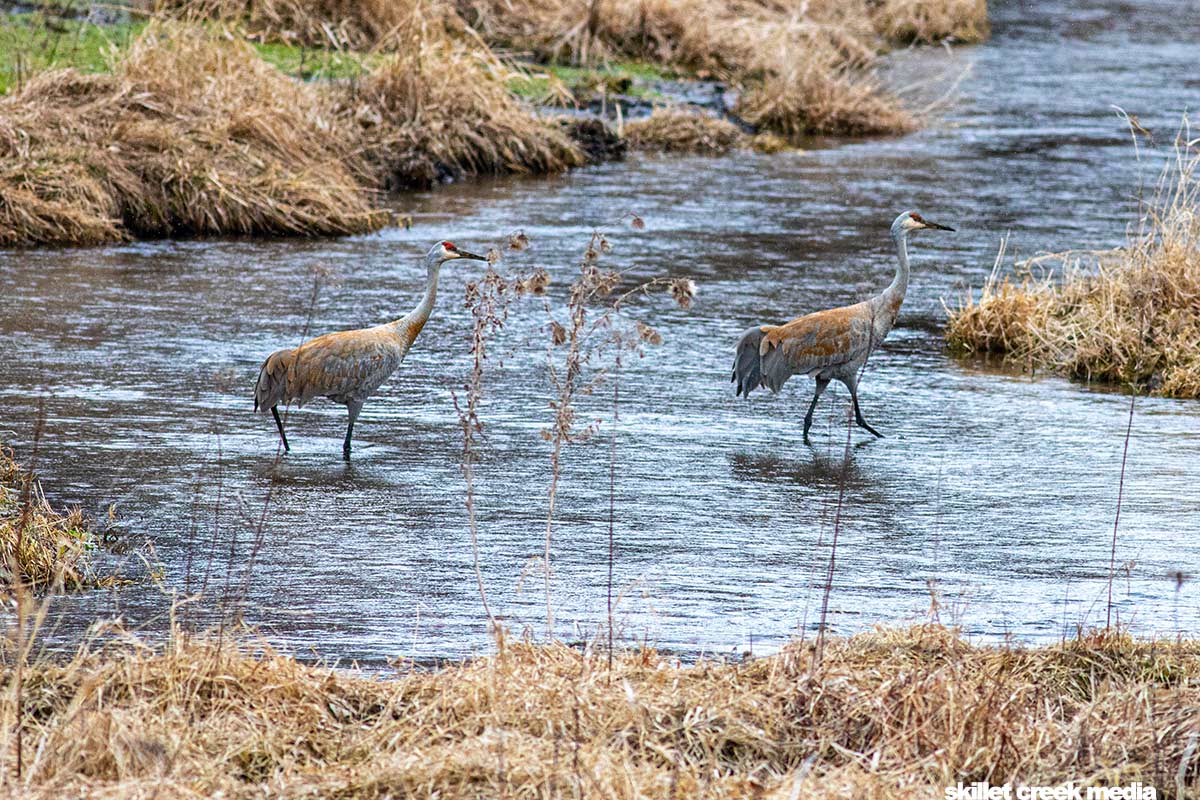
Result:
[[606, 282], [683, 290], [605, 245], [558, 334], [518, 241], [648, 334], [493, 256], [535, 283], [637, 222]]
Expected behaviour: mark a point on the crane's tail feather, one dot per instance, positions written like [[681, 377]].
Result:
[[271, 388], [747, 365]]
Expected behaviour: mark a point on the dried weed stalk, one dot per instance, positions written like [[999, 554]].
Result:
[[583, 350]]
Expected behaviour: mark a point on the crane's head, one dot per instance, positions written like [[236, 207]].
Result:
[[911, 221], [445, 251]]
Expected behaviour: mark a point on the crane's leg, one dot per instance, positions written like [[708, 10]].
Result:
[[279, 424], [852, 385], [353, 408], [821, 384]]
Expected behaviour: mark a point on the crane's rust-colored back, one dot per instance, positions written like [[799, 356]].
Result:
[[343, 366], [820, 344]]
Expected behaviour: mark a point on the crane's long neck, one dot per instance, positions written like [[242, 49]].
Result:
[[410, 324], [425, 307], [893, 295]]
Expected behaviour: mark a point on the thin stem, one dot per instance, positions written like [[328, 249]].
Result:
[[1112, 558], [612, 505], [837, 525]]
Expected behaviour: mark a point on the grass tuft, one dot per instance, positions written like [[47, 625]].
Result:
[[323, 24], [928, 21], [1132, 318], [39, 547], [190, 134], [680, 131], [441, 110]]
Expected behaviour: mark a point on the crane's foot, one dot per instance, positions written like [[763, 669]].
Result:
[[345, 454], [878, 435]]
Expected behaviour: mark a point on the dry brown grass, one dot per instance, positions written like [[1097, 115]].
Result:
[[39, 547], [191, 134], [930, 20], [438, 108], [801, 69], [818, 97], [1133, 318], [680, 131], [890, 714], [339, 24]]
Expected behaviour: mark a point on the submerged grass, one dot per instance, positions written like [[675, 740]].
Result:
[[40, 547], [1132, 318], [888, 714]]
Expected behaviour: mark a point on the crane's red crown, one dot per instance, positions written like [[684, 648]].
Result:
[[915, 216], [449, 245]]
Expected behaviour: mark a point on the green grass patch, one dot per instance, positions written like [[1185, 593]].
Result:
[[32, 43], [634, 78], [309, 63]]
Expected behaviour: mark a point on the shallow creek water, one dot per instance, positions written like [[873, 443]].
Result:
[[997, 490]]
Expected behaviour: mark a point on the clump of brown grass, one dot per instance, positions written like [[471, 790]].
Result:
[[191, 134], [437, 108], [930, 20], [1132, 318], [39, 547], [681, 131], [801, 69], [886, 714], [339, 24], [194, 134], [818, 97]]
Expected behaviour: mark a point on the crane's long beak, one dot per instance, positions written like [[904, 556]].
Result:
[[465, 254], [935, 226]]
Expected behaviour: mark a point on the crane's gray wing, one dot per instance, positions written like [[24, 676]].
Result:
[[747, 366]]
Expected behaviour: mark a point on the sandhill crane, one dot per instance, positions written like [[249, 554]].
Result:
[[347, 367], [828, 344]]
